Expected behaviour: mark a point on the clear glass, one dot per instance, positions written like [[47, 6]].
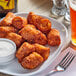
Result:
[[67, 14], [58, 8], [73, 20]]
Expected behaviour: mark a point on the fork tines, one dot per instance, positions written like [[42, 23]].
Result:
[[67, 60]]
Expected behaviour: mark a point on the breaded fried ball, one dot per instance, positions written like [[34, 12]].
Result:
[[6, 29], [15, 37], [33, 36], [43, 24], [7, 21], [32, 61], [2, 35], [24, 50], [54, 38], [30, 26], [42, 50], [19, 22]]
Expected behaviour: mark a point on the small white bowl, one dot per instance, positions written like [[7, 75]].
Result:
[[9, 56]]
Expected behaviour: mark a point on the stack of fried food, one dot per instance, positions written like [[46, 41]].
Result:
[[30, 35]]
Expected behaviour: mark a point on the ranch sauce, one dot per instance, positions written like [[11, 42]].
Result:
[[6, 48]]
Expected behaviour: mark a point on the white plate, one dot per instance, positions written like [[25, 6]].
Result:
[[14, 68]]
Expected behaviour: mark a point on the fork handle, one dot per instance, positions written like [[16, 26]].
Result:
[[52, 72]]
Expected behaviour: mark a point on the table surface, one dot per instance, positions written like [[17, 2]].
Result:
[[42, 7]]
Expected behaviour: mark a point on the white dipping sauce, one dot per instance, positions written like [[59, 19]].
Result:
[[6, 48], [7, 51]]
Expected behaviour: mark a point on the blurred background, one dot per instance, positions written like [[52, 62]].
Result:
[[38, 6]]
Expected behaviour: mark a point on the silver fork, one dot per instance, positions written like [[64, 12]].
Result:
[[65, 62]]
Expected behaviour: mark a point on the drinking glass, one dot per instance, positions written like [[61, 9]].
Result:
[[67, 14], [58, 8], [73, 20]]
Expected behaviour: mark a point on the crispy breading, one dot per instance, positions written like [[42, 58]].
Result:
[[6, 29], [54, 38], [43, 24], [30, 26], [42, 50], [32, 61], [15, 37], [19, 22], [24, 50], [7, 21], [33, 36]]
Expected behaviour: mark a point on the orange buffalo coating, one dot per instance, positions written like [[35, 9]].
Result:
[[30, 55], [7, 21], [33, 36], [30, 26], [32, 61], [54, 37], [24, 51], [42, 50], [6, 29], [19, 22], [15, 37], [43, 24]]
